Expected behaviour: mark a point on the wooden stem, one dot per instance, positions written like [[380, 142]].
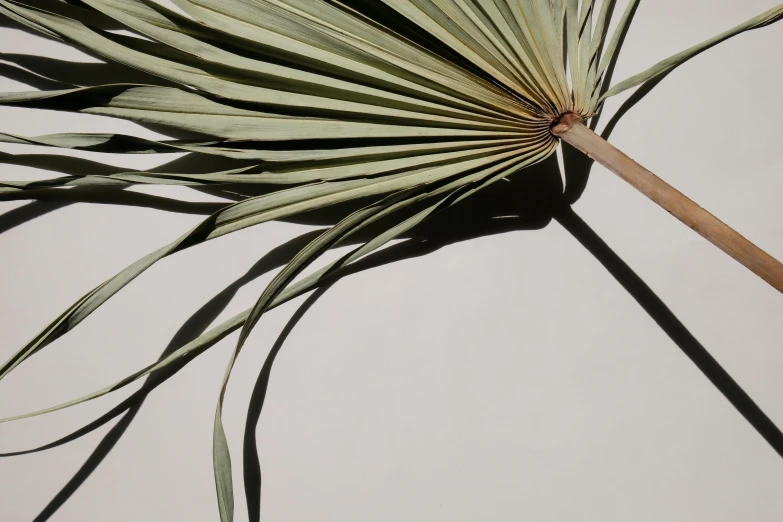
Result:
[[570, 129]]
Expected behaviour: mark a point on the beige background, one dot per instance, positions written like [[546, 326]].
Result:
[[508, 377]]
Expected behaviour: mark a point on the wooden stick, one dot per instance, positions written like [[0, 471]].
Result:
[[570, 129]]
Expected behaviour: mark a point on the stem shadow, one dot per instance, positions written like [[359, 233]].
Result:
[[672, 326]]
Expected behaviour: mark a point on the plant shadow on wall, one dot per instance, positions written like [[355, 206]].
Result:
[[528, 200]]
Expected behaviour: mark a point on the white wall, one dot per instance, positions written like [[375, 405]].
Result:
[[504, 377]]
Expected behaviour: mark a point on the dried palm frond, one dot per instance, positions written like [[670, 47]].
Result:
[[408, 106]]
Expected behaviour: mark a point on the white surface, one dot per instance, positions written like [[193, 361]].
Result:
[[506, 377]]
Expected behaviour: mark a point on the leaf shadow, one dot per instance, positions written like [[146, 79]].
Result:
[[42, 202], [54, 73], [29, 78], [528, 200], [56, 200], [442, 234]]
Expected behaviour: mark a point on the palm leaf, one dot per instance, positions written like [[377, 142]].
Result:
[[408, 105]]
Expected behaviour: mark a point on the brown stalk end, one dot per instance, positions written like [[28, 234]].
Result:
[[564, 122]]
